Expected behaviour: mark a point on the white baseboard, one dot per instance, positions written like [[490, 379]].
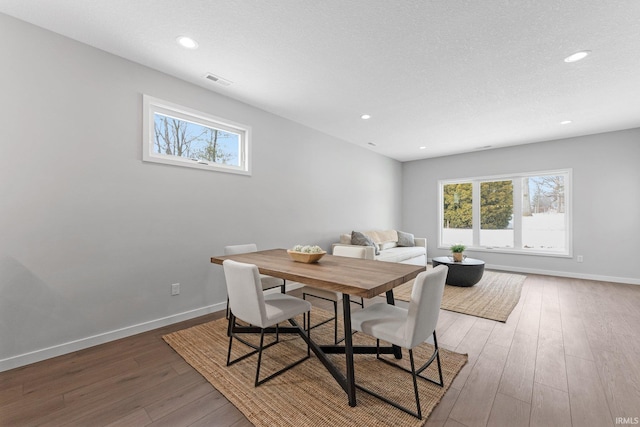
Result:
[[69, 347], [81, 344], [625, 280]]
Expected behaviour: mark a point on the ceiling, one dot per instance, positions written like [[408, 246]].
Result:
[[449, 75]]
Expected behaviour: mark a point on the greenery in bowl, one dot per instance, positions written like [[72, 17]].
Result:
[[308, 249], [457, 249]]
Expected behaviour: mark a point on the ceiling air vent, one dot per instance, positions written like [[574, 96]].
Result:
[[217, 79]]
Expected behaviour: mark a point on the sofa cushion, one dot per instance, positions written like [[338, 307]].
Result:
[[399, 254], [373, 235], [405, 239], [387, 245], [379, 236], [388, 236], [361, 239]]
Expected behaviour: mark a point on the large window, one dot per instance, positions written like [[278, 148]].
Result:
[[181, 136], [526, 213]]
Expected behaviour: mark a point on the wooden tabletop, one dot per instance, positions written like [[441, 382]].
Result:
[[353, 276]]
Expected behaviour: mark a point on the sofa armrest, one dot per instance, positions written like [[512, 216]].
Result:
[[420, 241], [369, 250]]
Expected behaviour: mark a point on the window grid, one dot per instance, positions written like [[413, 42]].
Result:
[[553, 206]]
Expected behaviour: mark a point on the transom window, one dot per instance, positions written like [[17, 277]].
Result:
[[525, 213], [181, 136]]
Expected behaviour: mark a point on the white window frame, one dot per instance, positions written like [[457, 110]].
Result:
[[152, 105], [517, 208]]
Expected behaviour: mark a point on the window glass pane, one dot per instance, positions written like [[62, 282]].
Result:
[[181, 138], [527, 213], [457, 214], [496, 214], [543, 213]]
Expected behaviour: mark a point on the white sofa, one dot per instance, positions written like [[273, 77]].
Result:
[[387, 243]]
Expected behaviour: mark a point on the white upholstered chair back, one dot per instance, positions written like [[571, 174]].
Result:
[[424, 306], [350, 251], [240, 249], [246, 298]]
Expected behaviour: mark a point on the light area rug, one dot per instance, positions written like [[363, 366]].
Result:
[[308, 395], [494, 297]]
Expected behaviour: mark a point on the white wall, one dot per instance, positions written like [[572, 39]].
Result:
[[606, 201], [91, 237]]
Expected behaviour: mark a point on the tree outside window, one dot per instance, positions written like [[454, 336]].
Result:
[[538, 223], [180, 136]]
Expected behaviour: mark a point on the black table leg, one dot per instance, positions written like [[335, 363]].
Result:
[[348, 344], [397, 351]]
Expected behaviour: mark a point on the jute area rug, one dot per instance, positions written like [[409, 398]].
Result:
[[308, 395], [494, 297]]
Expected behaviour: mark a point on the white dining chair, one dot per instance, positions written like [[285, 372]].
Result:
[[407, 328], [333, 296], [249, 303], [268, 282]]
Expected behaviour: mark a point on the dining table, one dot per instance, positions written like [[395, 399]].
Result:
[[350, 276]]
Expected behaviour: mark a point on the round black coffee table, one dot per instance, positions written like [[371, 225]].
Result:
[[465, 273]]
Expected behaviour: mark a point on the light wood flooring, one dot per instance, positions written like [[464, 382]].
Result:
[[569, 355]]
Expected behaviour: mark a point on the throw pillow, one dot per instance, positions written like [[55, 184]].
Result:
[[405, 239], [360, 239]]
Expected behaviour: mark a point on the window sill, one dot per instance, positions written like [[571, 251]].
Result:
[[513, 251]]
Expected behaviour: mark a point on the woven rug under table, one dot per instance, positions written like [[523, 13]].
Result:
[[308, 395], [494, 297]]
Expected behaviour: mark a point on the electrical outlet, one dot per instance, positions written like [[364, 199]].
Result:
[[175, 289], [580, 258]]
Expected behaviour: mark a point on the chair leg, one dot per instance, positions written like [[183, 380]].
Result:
[[304, 318], [414, 374], [335, 317], [435, 343], [436, 356], [229, 350], [336, 341], [415, 383], [230, 334], [335, 322], [417, 414], [308, 333], [259, 357], [261, 347]]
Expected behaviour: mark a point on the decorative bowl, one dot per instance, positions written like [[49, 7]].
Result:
[[307, 258]]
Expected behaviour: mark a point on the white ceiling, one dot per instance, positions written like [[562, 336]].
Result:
[[450, 75]]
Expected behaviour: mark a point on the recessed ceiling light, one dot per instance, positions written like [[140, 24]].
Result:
[[371, 144], [187, 42], [577, 56], [565, 122], [365, 117], [423, 147]]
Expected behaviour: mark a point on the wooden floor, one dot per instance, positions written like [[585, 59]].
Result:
[[568, 355]]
